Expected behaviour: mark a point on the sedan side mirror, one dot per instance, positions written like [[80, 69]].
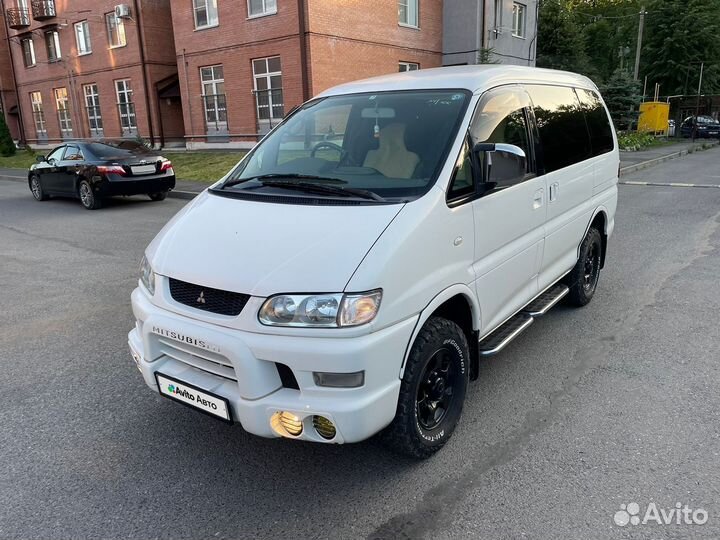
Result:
[[40, 159]]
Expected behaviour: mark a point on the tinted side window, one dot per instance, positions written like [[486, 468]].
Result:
[[72, 153], [56, 154], [601, 139], [561, 123], [501, 118]]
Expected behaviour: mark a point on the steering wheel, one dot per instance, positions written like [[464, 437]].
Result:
[[344, 156]]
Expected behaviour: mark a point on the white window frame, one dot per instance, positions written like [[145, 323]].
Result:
[[38, 113], [31, 44], [218, 105], [408, 66], [412, 13], [82, 38], [268, 75], [211, 13], [269, 7], [519, 20], [112, 21], [62, 105], [52, 41], [91, 94], [124, 96]]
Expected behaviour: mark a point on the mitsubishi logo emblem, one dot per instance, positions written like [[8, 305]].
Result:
[[201, 298]]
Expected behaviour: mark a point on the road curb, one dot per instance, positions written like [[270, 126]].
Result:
[[656, 161]]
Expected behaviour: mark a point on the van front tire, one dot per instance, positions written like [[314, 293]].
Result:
[[432, 390], [583, 278]]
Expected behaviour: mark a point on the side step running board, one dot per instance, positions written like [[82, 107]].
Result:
[[496, 342], [514, 326], [542, 304]]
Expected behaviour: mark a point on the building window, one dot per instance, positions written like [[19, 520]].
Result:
[[28, 50], [126, 107], [256, 8], [408, 12], [63, 110], [213, 96], [38, 114], [518, 24], [206, 13], [268, 88], [92, 107], [52, 44], [498, 12], [82, 37], [408, 66], [115, 30]]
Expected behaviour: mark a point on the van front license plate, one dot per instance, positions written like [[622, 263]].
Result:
[[194, 397]]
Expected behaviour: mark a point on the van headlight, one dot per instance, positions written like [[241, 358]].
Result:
[[147, 276], [320, 310]]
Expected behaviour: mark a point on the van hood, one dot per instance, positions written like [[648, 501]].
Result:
[[263, 249]]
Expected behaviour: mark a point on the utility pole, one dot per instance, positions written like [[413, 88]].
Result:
[[697, 105], [639, 42]]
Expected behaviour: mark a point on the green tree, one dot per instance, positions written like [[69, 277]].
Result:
[[622, 96], [679, 36], [560, 42], [486, 55], [7, 145]]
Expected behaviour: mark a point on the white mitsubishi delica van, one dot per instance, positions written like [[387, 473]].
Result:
[[348, 275]]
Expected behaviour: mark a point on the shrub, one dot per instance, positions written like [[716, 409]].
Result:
[[7, 145], [632, 141]]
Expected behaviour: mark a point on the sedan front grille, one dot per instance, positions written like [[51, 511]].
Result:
[[207, 298]]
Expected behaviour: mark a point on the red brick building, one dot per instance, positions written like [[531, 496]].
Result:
[[243, 64], [87, 68]]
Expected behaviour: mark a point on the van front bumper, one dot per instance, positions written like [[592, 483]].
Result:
[[252, 384]]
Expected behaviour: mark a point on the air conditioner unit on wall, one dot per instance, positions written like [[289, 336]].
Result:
[[122, 11]]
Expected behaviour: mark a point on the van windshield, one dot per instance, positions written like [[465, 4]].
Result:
[[380, 146]]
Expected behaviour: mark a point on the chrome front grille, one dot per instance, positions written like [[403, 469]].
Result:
[[198, 358]]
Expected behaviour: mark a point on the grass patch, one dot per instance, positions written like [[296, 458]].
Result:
[[200, 166], [21, 160], [203, 166]]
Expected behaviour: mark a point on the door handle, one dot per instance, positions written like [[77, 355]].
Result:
[[538, 198], [554, 188]]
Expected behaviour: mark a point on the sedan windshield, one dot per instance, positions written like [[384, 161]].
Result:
[[371, 146]]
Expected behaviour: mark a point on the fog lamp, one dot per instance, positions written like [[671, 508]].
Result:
[[286, 424], [324, 427]]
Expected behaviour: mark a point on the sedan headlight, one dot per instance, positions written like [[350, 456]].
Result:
[[147, 276], [320, 310]]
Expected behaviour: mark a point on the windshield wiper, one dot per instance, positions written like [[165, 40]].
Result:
[[296, 176], [330, 189]]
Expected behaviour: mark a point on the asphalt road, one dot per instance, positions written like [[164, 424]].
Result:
[[611, 404]]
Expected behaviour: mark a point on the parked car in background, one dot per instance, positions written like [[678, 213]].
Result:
[[707, 127], [94, 170]]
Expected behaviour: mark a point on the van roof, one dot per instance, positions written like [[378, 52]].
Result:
[[473, 78]]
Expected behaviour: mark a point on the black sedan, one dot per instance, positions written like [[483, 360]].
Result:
[[707, 127], [93, 170]]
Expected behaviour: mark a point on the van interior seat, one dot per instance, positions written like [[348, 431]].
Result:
[[392, 158]]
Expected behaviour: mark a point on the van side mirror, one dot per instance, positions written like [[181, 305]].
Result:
[[510, 162], [40, 159]]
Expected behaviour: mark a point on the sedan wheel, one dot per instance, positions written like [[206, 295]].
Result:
[[87, 197], [37, 189]]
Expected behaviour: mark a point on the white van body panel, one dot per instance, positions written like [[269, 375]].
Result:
[[226, 244], [496, 252]]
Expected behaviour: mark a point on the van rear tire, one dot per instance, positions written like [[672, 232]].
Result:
[[583, 278], [432, 391]]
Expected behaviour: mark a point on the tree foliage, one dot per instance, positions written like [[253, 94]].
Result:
[[586, 36], [622, 95], [7, 145]]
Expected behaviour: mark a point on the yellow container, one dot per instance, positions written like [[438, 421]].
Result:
[[654, 117]]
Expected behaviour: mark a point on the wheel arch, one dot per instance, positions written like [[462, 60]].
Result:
[[599, 220], [456, 303]]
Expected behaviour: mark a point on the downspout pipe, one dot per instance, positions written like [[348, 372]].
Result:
[[141, 43], [302, 34]]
